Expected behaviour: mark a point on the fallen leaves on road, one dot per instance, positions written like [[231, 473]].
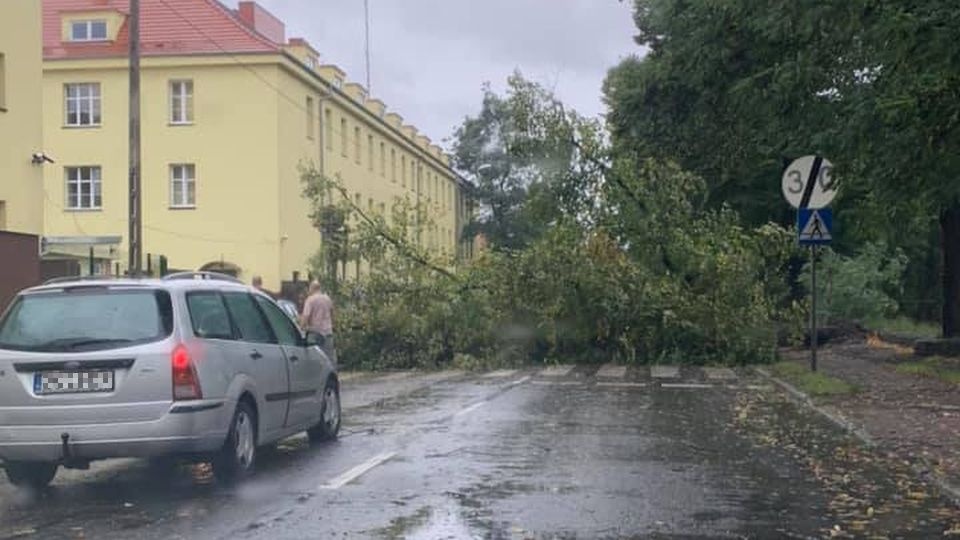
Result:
[[870, 494]]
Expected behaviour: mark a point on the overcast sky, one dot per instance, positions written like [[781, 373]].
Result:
[[430, 57]]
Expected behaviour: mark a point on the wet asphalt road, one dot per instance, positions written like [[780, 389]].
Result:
[[513, 454]]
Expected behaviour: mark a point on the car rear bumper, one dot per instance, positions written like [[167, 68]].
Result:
[[190, 427]]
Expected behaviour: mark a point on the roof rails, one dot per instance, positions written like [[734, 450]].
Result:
[[201, 275], [69, 279]]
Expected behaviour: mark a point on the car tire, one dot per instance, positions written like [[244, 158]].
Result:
[[34, 475], [329, 425], [238, 456]]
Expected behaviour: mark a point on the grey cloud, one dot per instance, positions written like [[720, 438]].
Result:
[[431, 57]]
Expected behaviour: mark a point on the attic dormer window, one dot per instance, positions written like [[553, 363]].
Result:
[[312, 62], [88, 30], [338, 82]]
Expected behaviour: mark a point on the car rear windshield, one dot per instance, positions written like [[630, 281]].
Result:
[[86, 319]]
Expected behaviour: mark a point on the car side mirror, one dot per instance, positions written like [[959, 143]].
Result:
[[314, 339]]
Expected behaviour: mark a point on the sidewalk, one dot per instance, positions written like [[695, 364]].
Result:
[[916, 418]]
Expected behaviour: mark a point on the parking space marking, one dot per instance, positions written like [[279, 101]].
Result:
[[622, 384], [557, 383], [500, 373], [519, 381], [664, 372], [469, 409], [358, 471], [557, 371], [611, 371], [685, 385], [719, 373]]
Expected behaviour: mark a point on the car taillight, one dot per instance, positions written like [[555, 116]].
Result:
[[185, 382]]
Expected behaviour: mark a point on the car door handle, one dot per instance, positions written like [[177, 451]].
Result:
[[294, 358], [256, 355]]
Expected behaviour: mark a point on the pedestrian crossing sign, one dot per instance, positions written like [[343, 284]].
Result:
[[814, 226]]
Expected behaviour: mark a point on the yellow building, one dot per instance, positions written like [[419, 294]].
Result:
[[21, 138], [231, 110]]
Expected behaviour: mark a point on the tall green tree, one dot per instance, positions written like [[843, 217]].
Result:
[[734, 89], [532, 161]]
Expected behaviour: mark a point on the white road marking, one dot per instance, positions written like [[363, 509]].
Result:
[[358, 471], [685, 385], [396, 376], [612, 371], [557, 371], [500, 373], [664, 372], [758, 387], [622, 384], [557, 383], [720, 373], [520, 381], [469, 409]]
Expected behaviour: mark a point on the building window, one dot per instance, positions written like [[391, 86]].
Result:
[[310, 117], [370, 153], [383, 159], [383, 209], [343, 137], [181, 102], [83, 188], [183, 186], [328, 128], [3, 83], [369, 206], [356, 144], [403, 171], [82, 104], [393, 165], [90, 30]]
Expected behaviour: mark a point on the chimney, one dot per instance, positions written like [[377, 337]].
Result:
[[262, 21]]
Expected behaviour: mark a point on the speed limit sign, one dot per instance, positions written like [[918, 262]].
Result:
[[808, 182]]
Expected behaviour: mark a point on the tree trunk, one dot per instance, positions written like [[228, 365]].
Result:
[[950, 256]]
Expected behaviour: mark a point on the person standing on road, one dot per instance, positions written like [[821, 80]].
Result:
[[317, 319]]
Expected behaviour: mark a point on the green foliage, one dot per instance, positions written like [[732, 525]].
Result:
[[904, 326], [732, 90], [598, 257], [862, 287], [526, 155], [812, 383], [934, 367]]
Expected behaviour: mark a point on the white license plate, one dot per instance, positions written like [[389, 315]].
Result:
[[72, 382]]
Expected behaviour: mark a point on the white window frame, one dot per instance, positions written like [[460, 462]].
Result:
[[184, 177], [181, 101], [92, 101], [83, 175], [88, 25]]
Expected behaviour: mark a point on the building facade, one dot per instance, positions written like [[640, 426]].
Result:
[[21, 136], [231, 112]]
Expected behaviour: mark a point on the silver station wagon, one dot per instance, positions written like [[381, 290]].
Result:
[[194, 365]]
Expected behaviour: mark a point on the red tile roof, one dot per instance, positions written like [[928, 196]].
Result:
[[164, 29]]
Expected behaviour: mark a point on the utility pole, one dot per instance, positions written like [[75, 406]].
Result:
[[366, 22], [136, 225]]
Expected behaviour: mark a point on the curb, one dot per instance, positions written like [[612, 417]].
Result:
[[951, 491], [805, 400]]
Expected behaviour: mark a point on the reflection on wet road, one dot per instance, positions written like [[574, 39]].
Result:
[[564, 452]]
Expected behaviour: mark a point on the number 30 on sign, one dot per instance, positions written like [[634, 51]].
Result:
[[808, 182]]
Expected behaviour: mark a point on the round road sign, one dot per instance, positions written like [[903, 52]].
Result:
[[808, 182]]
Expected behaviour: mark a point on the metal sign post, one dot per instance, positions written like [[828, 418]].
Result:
[[814, 338], [814, 220]]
